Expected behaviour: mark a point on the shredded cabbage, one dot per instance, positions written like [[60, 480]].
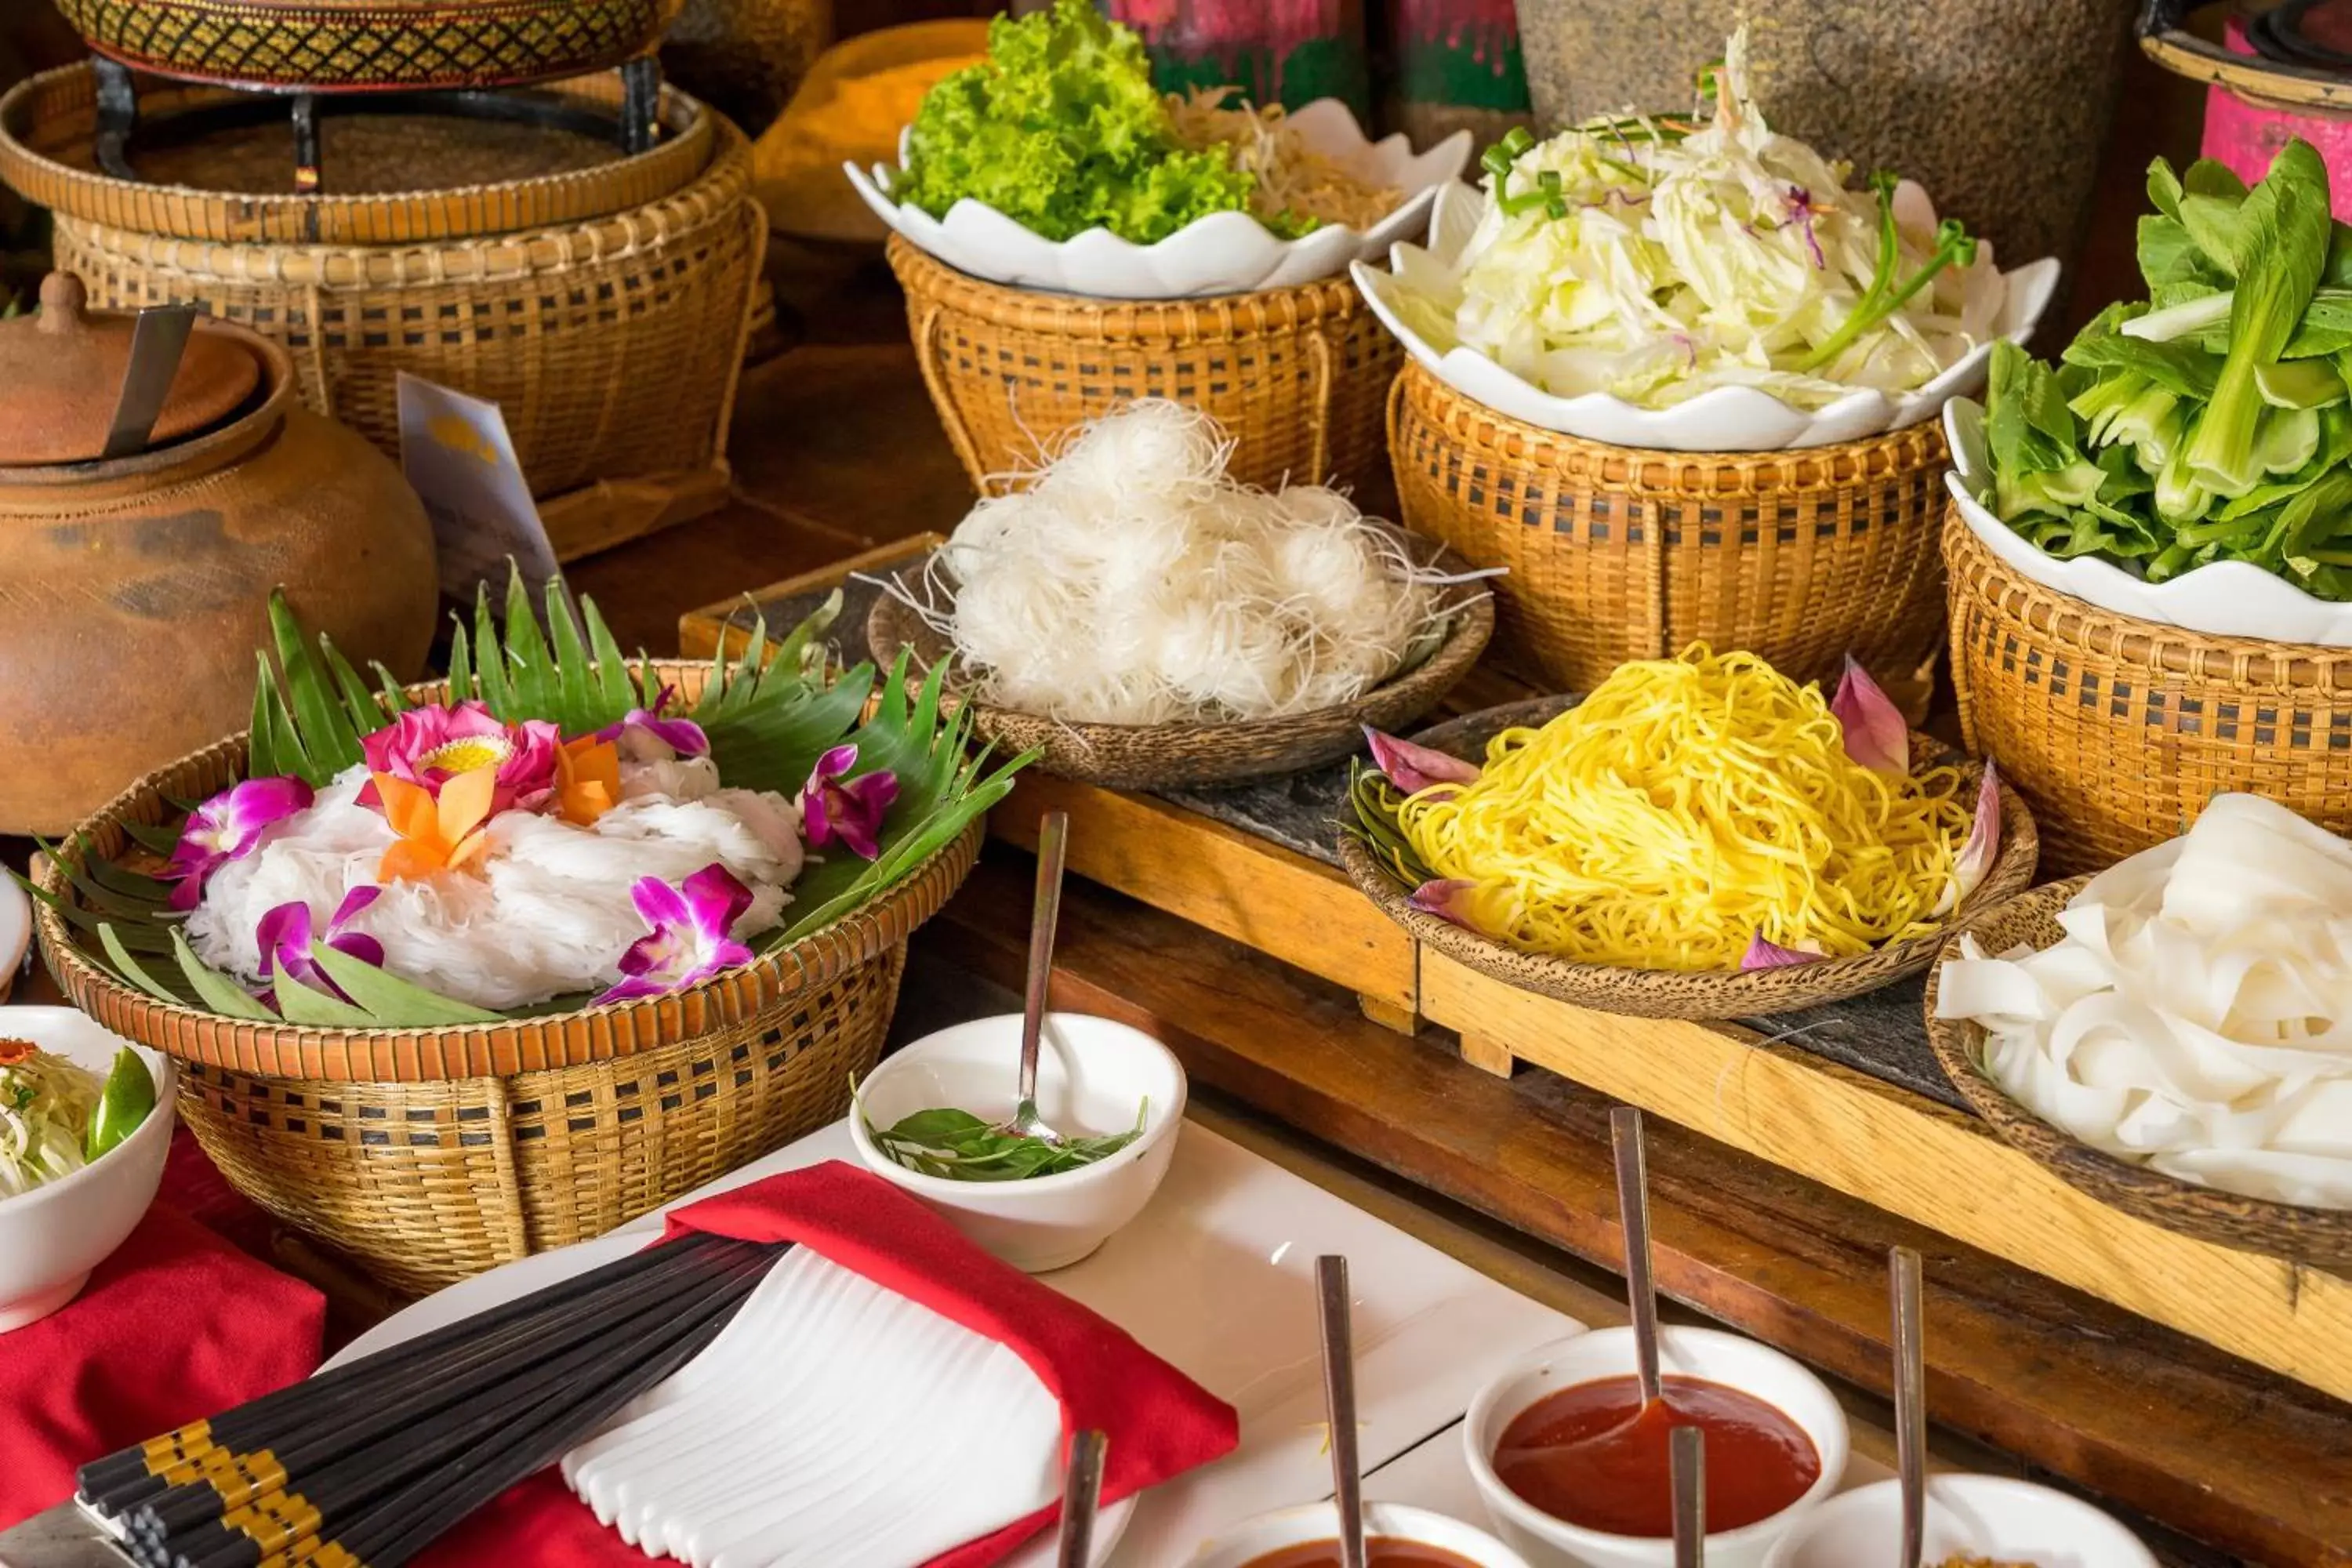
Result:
[[45, 1104], [1657, 259]]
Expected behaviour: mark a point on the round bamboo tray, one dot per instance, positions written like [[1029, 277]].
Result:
[[2312, 1235], [47, 123], [2118, 731], [1685, 993], [1184, 755], [429, 1154], [612, 345], [1617, 553], [1295, 375]]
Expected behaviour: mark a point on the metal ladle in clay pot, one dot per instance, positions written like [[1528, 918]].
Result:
[[78, 386]]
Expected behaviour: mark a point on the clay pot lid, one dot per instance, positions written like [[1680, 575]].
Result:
[[61, 375]]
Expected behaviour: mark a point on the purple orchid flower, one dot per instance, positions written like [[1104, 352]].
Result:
[[1876, 734], [1447, 898], [1762, 955], [1800, 213], [285, 939], [850, 811], [1416, 768], [689, 940], [1974, 862], [227, 827], [684, 736]]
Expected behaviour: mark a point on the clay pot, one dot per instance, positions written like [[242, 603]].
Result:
[[134, 592]]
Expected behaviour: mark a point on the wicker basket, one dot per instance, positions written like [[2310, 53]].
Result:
[[612, 343], [1296, 376], [431, 1154], [2118, 731], [2321, 1238], [1617, 553], [1686, 993]]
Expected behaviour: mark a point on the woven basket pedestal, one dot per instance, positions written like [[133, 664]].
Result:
[[1296, 376], [2118, 731], [605, 310], [1616, 554]]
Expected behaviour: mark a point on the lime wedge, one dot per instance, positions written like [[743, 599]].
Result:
[[126, 1101]]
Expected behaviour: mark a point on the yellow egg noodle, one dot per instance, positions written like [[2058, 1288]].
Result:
[[1684, 807]]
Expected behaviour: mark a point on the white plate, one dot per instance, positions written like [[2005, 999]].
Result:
[[1224, 253], [1725, 419], [2226, 599], [1217, 1277]]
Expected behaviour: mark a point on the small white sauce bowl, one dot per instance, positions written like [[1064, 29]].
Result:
[[1091, 1075], [1243, 1543], [1968, 1516], [52, 1237], [1706, 1354]]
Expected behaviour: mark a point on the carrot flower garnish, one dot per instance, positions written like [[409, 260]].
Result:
[[441, 833]]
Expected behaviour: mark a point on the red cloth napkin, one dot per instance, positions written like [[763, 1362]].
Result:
[[1160, 1422], [176, 1325]]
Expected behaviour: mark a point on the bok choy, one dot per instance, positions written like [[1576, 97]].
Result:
[[2212, 421]]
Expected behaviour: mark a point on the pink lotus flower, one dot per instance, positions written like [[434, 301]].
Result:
[[850, 811], [1416, 768], [229, 825], [689, 942], [427, 746], [284, 936], [1762, 955], [641, 726], [1876, 734], [1975, 860], [1447, 898]]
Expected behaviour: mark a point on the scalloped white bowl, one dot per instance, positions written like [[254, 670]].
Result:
[[1224, 253], [2227, 598], [1727, 419]]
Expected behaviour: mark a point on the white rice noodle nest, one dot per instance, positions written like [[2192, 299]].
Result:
[[1131, 581], [2197, 1016], [546, 912]]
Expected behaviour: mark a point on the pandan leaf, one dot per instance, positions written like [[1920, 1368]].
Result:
[[581, 696], [131, 970], [391, 694], [531, 670], [792, 654], [271, 750], [366, 710], [461, 665], [328, 736], [489, 657], [163, 840], [613, 683], [297, 1004], [388, 998], [221, 993]]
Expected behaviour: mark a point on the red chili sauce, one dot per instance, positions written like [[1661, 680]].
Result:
[[1590, 1454], [1380, 1552]]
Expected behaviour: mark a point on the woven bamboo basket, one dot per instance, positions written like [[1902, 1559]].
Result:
[[430, 1154], [1295, 375], [2321, 1237], [1687, 994], [1617, 553], [2118, 731], [613, 343], [47, 123]]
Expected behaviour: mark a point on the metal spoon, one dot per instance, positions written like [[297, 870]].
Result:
[[1633, 1215], [159, 340], [1910, 1401], [1339, 1406], [1686, 1452], [1044, 914], [1081, 1497]]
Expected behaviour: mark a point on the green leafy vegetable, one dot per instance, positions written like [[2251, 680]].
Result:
[[2214, 421], [959, 1146], [125, 1100], [1061, 129]]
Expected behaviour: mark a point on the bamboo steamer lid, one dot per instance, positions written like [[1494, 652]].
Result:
[[61, 375]]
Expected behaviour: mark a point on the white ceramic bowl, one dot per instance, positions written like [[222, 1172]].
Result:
[[1091, 1075], [1224, 253], [51, 1238], [1977, 1516], [1723, 419], [1245, 1543], [1708, 1353], [2227, 598]]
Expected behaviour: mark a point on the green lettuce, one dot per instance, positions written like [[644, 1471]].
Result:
[[1061, 130]]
